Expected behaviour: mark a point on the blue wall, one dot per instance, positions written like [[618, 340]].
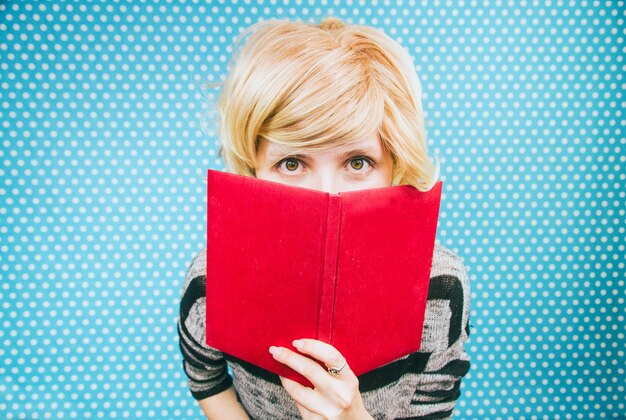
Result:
[[102, 198]]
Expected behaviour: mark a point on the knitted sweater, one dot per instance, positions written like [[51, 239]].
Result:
[[424, 384]]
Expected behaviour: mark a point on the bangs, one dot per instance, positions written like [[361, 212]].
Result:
[[337, 102]]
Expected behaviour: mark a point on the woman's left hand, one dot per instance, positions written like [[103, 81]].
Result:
[[335, 396]]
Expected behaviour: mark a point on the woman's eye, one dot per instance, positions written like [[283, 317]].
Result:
[[358, 164], [290, 164]]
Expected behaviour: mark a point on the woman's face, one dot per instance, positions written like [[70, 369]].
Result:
[[357, 166]]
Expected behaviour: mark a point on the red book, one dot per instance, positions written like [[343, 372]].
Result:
[[350, 269]]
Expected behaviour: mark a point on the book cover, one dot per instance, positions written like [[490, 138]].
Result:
[[351, 269]]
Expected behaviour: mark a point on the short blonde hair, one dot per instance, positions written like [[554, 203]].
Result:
[[316, 86]]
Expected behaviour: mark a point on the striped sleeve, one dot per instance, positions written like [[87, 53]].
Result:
[[446, 329], [204, 366]]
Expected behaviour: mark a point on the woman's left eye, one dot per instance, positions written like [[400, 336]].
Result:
[[291, 164], [359, 164]]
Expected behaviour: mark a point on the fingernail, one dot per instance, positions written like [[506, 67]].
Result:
[[298, 344], [274, 350]]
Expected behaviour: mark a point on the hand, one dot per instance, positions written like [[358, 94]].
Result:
[[333, 396]]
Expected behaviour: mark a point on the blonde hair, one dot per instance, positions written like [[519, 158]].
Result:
[[316, 86]]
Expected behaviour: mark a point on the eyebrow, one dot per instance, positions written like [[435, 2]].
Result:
[[369, 151], [278, 153]]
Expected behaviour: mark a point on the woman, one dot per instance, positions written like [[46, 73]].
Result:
[[332, 107]]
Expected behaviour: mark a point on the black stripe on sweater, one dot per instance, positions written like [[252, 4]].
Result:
[[195, 357], [441, 395], [454, 368], [449, 288], [221, 386], [392, 372], [195, 290]]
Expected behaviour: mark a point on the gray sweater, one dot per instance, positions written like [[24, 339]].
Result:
[[424, 384]]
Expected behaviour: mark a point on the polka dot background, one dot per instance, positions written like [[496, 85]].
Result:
[[102, 198]]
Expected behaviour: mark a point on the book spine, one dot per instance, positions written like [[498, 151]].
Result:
[[329, 279]]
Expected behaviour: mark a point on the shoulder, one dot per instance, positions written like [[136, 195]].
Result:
[[446, 262], [192, 303], [196, 269], [449, 285], [447, 308], [448, 273]]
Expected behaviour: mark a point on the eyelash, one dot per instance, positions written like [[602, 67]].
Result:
[[299, 161], [280, 163], [365, 159]]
